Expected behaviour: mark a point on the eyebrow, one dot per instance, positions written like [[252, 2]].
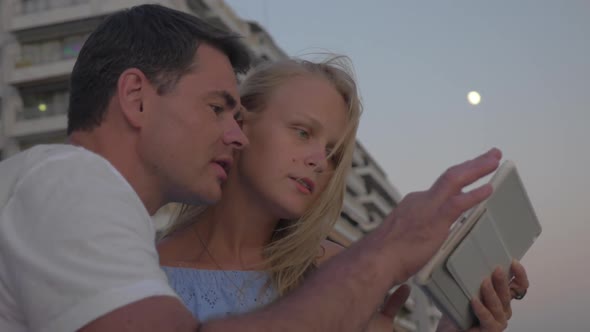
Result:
[[228, 99], [314, 122]]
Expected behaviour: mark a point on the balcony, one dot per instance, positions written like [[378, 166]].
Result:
[[198, 7], [43, 103], [262, 43], [374, 200], [344, 228], [27, 7], [46, 72], [378, 178], [355, 210], [221, 15], [35, 127], [40, 110], [2, 137], [357, 156], [46, 59], [27, 14], [355, 182]]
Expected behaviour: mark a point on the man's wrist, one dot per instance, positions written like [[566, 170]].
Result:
[[387, 252]]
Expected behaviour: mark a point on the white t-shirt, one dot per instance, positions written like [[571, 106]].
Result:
[[76, 242]]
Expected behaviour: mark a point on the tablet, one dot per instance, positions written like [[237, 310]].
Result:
[[491, 234]]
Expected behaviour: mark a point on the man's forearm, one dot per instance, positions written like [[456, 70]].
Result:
[[341, 296]]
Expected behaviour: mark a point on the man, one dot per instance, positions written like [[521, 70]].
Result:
[[152, 119]]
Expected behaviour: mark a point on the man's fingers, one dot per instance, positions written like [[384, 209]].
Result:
[[396, 301], [455, 178], [455, 206]]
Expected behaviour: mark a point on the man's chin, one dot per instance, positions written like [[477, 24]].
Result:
[[210, 198], [204, 198]]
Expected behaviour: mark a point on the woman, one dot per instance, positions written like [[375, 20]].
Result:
[[282, 197]]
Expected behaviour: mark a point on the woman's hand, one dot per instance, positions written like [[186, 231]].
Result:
[[494, 310]]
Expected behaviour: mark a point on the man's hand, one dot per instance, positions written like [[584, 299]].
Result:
[[420, 224], [382, 321]]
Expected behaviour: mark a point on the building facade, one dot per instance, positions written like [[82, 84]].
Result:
[[39, 43]]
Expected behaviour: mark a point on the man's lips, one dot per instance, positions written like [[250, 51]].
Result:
[[224, 163]]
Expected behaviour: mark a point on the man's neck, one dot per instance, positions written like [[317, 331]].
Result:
[[120, 152]]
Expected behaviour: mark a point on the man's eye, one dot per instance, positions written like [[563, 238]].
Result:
[[216, 108], [239, 117]]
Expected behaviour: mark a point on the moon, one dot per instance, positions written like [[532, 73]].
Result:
[[473, 97]]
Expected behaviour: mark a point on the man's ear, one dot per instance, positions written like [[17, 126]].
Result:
[[131, 91]]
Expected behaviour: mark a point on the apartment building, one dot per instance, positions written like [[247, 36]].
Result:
[[39, 43]]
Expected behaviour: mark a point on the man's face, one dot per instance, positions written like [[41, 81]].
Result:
[[188, 140]]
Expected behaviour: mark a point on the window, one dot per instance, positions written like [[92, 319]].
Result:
[[218, 23], [44, 101], [71, 46], [48, 51], [374, 185], [35, 6], [351, 192], [351, 221], [198, 7]]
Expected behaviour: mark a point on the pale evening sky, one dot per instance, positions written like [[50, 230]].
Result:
[[416, 62]]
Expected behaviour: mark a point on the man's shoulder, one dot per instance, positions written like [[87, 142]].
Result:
[[74, 188], [39, 155], [56, 158], [60, 153], [48, 166], [78, 219], [14, 168]]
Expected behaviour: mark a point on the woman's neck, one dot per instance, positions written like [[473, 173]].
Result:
[[235, 230]]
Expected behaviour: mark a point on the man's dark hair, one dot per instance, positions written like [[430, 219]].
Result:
[[159, 41]]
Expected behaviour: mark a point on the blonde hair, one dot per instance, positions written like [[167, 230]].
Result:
[[293, 249]]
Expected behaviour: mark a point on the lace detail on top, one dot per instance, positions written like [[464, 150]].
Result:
[[211, 294]]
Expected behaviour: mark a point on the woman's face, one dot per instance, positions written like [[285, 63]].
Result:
[[286, 166]]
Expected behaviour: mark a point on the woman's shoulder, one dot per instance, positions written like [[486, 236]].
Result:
[[167, 250], [328, 249], [178, 247]]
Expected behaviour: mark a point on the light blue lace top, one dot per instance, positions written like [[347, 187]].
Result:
[[211, 293]]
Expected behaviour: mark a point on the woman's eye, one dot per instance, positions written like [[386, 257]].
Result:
[[302, 133]]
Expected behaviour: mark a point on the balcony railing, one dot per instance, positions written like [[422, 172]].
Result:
[[25, 7], [32, 54], [43, 105]]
